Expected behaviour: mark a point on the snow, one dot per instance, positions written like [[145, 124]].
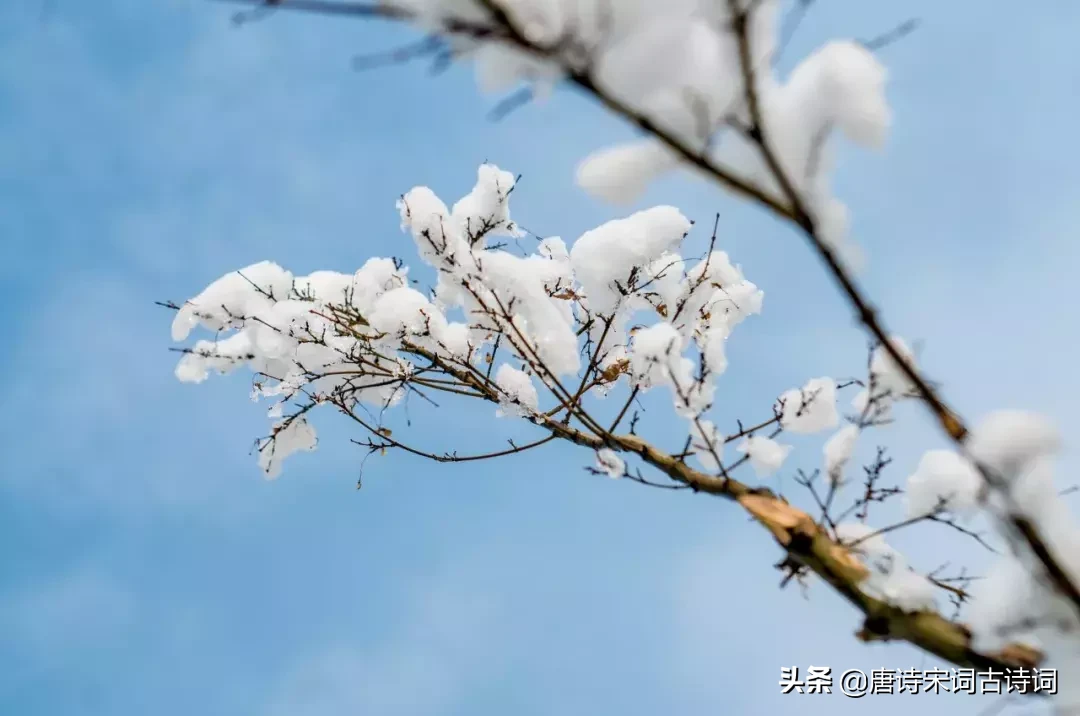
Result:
[[609, 463], [810, 409], [838, 450], [678, 64], [891, 577], [485, 211], [503, 280], [864, 539], [652, 351], [349, 339], [1007, 441], [361, 338], [356, 338], [221, 356], [943, 480], [888, 382], [519, 394], [604, 257], [766, 455], [224, 302], [326, 285], [656, 359], [843, 83], [405, 313], [621, 174], [290, 436]]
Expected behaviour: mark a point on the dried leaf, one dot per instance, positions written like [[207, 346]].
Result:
[[613, 371]]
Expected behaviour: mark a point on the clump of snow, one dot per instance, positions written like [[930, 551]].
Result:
[[843, 84], [621, 174], [810, 409], [943, 480], [652, 353], [1003, 598], [609, 463], [499, 280], [485, 211], [603, 258], [838, 451], [289, 436], [735, 302], [1008, 441], [888, 381], [220, 356], [766, 455], [891, 578], [903, 587], [225, 302], [519, 394], [656, 359], [863, 539], [406, 314]]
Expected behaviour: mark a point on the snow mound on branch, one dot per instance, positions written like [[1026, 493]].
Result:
[[888, 382], [766, 455], [289, 436], [943, 480], [485, 211], [370, 338], [810, 409], [656, 359], [1007, 473], [838, 451], [609, 463], [891, 577], [605, 256], [1008, 441], [677, 66], [239, 293], [519, 394], [622, 173]]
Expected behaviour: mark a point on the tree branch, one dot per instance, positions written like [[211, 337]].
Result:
[[795, 531], [805, 542]]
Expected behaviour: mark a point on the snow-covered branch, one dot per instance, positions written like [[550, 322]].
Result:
[[546, 336], [620, 310]]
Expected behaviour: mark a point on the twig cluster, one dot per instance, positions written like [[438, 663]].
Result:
[[810, 544]]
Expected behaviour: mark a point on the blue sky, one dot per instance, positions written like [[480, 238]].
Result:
[[147, 148]]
